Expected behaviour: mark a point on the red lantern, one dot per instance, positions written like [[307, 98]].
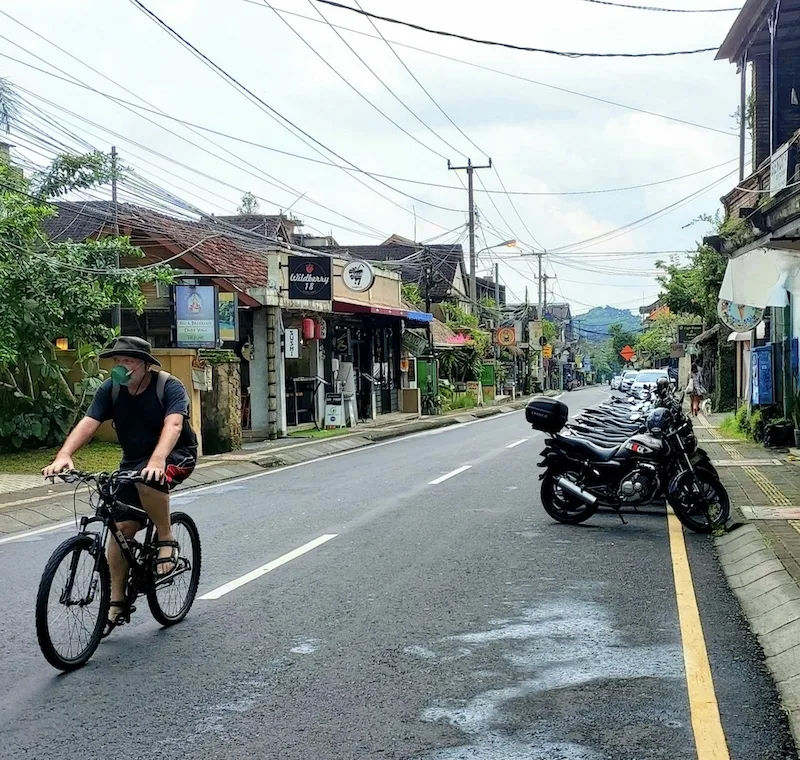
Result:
[[308, 329]]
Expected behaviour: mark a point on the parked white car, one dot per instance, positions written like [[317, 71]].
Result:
[[627, 380], [647, 378], [615, 382]]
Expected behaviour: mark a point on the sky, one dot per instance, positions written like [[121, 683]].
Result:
[[540, 139]]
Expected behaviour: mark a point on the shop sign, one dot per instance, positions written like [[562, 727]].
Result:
[[687, 333], [310, 278], [358, 276], [505, 336], [228, 317], [534, 331], [547, 352], [739, 317], [292, 343], [196, 316]]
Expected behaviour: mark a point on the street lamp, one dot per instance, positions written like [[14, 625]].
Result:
[[473, 283]]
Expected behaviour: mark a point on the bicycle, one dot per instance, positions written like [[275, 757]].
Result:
[[76, 581]]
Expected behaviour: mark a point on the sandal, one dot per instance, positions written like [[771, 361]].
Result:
[[120, 618], [172, 559]]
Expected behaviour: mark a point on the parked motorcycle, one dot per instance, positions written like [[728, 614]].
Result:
[[629, 468]]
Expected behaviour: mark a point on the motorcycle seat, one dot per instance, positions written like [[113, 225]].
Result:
[[580, 447]]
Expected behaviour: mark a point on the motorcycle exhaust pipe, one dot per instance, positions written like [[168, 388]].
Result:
[[576, 490]]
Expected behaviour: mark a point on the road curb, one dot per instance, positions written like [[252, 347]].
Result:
[[770, 599]]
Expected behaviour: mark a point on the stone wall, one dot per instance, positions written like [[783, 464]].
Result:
[[221, 409]]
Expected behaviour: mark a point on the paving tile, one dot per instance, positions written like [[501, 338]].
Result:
[[762, 570], [764, 585], [760, 556], [10, 525], [781, 639], [765, 603], [785, 665], [775, 618], [29, 518]]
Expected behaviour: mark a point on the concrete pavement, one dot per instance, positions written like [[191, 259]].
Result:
[[448, 618]]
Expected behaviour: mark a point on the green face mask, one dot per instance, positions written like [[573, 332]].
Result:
[[120, 375]]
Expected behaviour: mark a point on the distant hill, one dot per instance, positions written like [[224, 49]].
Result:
[[594, 324]]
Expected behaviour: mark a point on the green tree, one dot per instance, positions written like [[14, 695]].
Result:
[[656, 342], [693, 288], [620, 337], [51, 290], [249, 204], [549, 330]]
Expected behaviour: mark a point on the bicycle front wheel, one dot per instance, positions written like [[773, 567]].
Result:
[[72, 603], [171, 597]]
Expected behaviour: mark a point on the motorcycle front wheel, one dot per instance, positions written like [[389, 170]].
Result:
[[562, 506], [701, 512]]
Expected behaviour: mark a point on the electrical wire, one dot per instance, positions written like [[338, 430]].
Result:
[[260, 5], [355, 89], [244, 141], [276, 115], [662, 10], [511, 46]]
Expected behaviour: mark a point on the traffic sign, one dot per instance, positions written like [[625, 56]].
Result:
[[547, 352], [627, 353]]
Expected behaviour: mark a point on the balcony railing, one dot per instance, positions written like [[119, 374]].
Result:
[[773, 175]]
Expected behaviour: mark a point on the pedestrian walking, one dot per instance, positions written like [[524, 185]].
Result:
[[696, 389]]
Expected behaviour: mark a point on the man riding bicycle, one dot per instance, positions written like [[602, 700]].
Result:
[[150, 412]]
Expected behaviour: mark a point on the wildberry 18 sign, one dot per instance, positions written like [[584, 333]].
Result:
[[310, 278]]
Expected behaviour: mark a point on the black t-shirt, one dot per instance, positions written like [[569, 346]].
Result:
[[139, 419]]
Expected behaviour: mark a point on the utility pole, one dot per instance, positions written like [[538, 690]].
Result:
[[432, 366], [469, 168], [116, 313], [540, 317]]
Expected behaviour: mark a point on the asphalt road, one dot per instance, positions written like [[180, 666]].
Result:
[[451, 621]]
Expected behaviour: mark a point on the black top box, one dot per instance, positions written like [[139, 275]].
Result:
[[546, 414]]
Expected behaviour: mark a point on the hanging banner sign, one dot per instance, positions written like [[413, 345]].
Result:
[[310, 278], [228, 317], [291, 348], [196, 323]]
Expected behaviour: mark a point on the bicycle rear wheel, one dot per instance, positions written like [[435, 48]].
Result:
[[170, 598], [72, 603]]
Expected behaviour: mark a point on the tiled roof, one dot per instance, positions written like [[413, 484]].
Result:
[[447, 259], [213, 243]]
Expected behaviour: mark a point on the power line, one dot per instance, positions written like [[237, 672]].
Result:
[[356, 90], [259, 4], [193, 125], [511, 46], [663, 10], [271, 180], [421, 86], [274, 113], [612, 234]]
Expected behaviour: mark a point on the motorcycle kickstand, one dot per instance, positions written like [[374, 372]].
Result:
[[619, 514]]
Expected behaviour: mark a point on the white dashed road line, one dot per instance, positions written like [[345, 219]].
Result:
[[517, 443], [269, 567], [450, 475]]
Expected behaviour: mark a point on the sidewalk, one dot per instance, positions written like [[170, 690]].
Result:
[[761, 554], [26, 503]]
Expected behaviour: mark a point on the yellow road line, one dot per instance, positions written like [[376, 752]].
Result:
[[709, 736], [732, 452]]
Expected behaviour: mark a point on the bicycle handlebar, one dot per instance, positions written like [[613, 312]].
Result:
[[118, 476]]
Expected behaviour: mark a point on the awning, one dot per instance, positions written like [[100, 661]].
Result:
[[353, 307], [761, 277], [740, 337]]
